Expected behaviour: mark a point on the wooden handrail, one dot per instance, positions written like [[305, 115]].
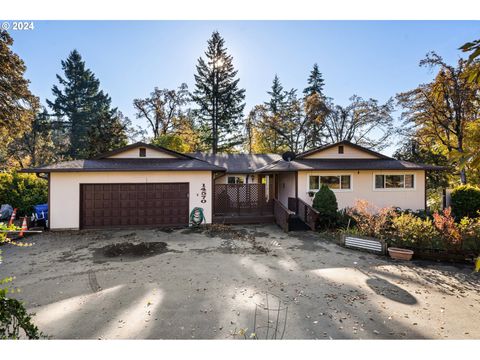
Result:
[[307, 214], [282, 215], [284, 208], [309, 206]]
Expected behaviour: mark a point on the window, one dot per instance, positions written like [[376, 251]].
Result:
[[142, 152], [409, 181], [401, 181], [235, 180], [334, 182], [340, 149]]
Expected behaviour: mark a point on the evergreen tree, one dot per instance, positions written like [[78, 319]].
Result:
[[275, 107], [85, 110], [277, 97], [325, 202], [315, 82], [108, 132], [220, 100]]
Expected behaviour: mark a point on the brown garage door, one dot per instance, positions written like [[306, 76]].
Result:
[[119, 205]]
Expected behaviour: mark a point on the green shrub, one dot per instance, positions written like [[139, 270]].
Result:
[[465, 201], [410, 230], [470, 231], [22, 191], [325, 203], [15, 321]]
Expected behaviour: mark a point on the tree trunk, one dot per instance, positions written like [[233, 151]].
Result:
[[463, 177], [215, 111], [463, 174]]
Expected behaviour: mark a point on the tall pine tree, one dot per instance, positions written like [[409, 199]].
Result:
[[220, 100], [315, 82], [275, 106], [85, 111], [315, 108], [277, 96]]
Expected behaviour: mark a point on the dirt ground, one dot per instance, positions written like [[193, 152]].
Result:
[[186, 284]]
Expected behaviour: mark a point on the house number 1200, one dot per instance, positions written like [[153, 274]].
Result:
[[203, 194]]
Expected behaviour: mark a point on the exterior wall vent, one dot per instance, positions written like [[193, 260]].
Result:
[[142, 152]]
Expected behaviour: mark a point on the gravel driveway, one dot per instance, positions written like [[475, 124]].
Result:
[[187, 284]]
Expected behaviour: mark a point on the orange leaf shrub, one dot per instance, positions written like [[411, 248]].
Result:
[[371, 220]]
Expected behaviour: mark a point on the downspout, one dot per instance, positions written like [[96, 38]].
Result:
[[425, 189], [212, 197], [46, 177]]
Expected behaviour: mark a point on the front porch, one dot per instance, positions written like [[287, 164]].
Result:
[[272, 200]]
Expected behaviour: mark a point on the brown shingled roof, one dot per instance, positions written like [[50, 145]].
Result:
[[238, 163], [128, 164], [344, 164], [343, 142]]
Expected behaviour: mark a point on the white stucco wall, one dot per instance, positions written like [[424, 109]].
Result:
[[150, 154], [286, 187], [65, 191], [349, 152], [362, 187]]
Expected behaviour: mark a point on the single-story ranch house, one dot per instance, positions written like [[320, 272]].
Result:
[[149, 186]]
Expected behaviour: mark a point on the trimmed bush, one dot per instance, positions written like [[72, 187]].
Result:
[[22, 191], [326, 204], [465, 201]]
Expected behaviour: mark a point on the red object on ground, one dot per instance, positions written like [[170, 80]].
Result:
[[14, 214], [24, 226]]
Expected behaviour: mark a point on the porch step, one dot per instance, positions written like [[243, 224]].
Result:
[[295, 224]]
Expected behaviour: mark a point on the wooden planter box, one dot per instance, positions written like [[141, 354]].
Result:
[[444, 255], [364, 243], [379, 246]]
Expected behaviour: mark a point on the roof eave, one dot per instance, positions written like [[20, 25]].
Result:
[[37, 170], [143, 144], [343, 142]]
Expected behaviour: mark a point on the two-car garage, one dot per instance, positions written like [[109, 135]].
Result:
[[139, 185], [130, 205]]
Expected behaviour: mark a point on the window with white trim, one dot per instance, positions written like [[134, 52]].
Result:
[[334, 182], [394, 181], [235, 180]]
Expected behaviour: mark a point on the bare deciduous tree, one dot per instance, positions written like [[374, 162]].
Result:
[[161, 108], [364, 122]]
